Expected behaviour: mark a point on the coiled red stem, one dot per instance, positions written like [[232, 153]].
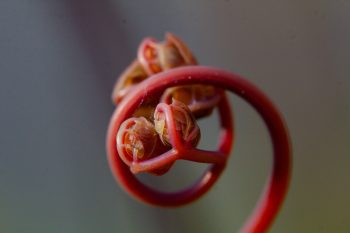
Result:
[[276, 187]]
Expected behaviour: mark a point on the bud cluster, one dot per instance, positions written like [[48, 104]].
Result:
[[159, 123]]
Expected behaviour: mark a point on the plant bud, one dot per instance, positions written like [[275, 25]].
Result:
[[136, 139], [153, 57], [184, 122], [157, 56], [132, 76], [200, 99]]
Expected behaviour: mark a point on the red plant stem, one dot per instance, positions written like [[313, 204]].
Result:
[[277, 184], [146, 194]]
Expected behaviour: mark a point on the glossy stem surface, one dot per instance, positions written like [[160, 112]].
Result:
[[277, 184], [133, 186]]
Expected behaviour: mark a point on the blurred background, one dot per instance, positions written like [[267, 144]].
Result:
[[59, 60]]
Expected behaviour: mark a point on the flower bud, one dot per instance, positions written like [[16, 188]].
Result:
[[132, 76], [153, 57], [184, 122], [200, 99], [136, 139], [157, 56]]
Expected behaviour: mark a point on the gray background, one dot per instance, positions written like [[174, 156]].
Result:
[[59, 60]]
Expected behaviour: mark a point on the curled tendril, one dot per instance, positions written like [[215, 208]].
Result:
[[170, 132], [137, 136], [183, 122], [172, 115]]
